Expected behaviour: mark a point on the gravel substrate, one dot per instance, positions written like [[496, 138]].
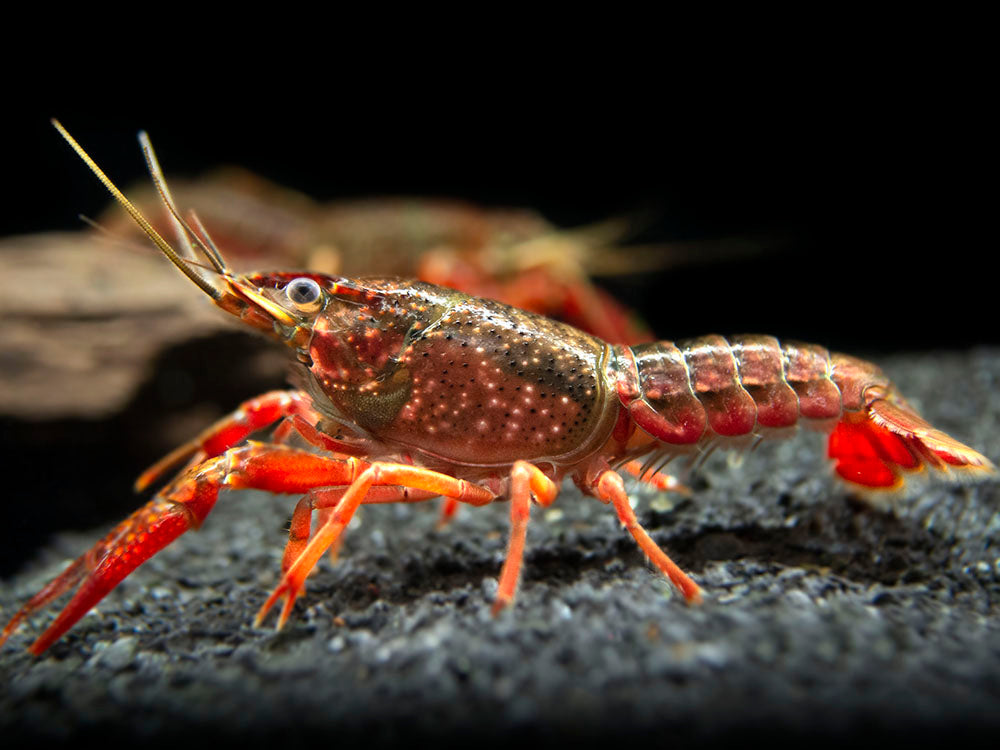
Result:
[[824, 619]]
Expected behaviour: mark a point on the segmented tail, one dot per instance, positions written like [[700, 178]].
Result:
[[880, 438], [710, 387]]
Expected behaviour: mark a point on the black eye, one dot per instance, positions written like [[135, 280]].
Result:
[[305, 294]]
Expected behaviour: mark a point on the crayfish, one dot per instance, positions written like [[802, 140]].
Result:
[[411, 391]]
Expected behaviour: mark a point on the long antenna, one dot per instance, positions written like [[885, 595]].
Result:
[[139, 219]]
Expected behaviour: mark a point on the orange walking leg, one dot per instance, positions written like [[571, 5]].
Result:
[[610, 487], [375, 474], [448, 510], [325, 501], [525, 480]]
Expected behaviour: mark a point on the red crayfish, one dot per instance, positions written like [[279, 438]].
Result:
[[412, 391]]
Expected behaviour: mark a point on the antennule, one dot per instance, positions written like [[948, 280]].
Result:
[[138, 218], [160, 182], [181, 227]]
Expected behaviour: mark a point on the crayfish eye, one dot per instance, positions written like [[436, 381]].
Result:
[[305, 294]]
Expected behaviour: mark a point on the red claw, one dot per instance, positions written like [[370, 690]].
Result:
[[95, 573]]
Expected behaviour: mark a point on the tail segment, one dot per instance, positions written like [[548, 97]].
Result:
[[878, 444]]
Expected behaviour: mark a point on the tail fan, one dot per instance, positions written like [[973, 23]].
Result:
[[877, 446]]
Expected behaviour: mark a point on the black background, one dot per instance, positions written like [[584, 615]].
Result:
[[865, 188]]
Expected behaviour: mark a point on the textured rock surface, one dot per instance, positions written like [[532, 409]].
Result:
[[823, 619]]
